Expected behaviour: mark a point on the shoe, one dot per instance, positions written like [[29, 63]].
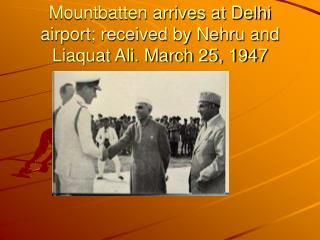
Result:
[[25, 170], [99, 178], [121, 178]]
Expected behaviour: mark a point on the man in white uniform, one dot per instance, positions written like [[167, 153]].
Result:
[[108, 134], [77, 152]]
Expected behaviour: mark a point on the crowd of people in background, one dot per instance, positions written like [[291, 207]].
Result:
[[182, 132]]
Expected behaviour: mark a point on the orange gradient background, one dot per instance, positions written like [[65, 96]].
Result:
[[274, 132]]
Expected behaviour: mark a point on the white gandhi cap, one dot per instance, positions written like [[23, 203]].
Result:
[[144, 100]]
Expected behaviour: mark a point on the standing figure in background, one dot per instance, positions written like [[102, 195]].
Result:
[[112, 137], [193, 132], [107, 136], [183, 135], [174, 136], [118, 126], [124, 127], [164, 122]]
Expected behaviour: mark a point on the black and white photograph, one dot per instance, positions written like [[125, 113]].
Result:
[[140, 133]]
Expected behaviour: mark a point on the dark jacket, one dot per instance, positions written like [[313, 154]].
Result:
[[151, 155]]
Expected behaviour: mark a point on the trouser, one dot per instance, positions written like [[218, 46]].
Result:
[[190, 147], [75, 185], [116, 162], [174, 148], [183, 147]]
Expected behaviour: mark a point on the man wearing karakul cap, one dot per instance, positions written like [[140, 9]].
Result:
[[207, 174], [150, 151], [78, 153]]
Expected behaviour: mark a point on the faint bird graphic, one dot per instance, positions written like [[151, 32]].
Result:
[[44, 145], [66, 93]]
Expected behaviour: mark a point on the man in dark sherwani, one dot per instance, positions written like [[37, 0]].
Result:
[[150, 151]]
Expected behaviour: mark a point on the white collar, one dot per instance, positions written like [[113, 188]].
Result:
[[77, 98], [213, 119]]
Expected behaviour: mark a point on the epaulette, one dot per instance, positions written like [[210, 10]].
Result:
[[77, 118]]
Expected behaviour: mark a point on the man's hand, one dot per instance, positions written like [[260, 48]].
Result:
[[167, 177], [204, 175], [203, 178], [208, 173]]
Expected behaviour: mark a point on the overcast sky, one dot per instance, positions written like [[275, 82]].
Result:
[[171, 92]]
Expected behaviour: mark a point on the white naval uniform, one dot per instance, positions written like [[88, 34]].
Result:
[[112, 136], [75, 162]]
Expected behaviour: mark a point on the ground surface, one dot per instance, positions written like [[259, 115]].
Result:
[[177, 183]]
